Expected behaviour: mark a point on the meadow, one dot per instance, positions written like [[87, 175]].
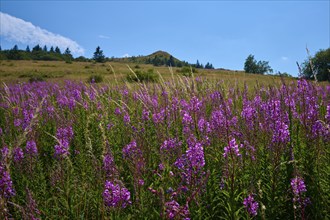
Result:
[[212, 146], [12, 71]]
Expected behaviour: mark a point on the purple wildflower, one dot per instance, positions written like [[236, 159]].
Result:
[[64, 136], [18, 154], [187, 119], [31, 148], [4, 152], [281, 133], [131, 150], [298, 186], [195, 104], [174, 210], [158, 117], [109, 165], [31, 207], [6, 184], [117, 111], [145, 115], [195, 154], [62, 148], [170, 145], [141, 182], [115, 195], [127, 119], [251, 205], [327, 116], [192, 162], [17, 122], [233, 147]]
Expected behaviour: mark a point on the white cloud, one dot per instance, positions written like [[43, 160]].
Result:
[[18, 30], [126, 55], [104, 36], [284, 58]]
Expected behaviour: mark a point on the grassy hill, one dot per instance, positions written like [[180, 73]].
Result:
[[158, 58]]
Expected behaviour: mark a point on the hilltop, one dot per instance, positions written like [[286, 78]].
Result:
[[158, 58]]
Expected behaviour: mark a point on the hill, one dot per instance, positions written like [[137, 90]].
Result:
[[158, 58]]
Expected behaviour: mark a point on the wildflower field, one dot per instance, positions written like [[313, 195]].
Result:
[[182, 149]]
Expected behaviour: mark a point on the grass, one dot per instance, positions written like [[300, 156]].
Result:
[[55, 71]]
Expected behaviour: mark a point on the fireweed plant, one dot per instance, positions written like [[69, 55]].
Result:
[[182, 149]]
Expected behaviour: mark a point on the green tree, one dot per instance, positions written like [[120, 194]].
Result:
[[36, 48], [171, 61], [318, 66], [98, 55], [67, 55], [209, 66], [51, 50], [57, 50], [28, 49], [260, 67], [15, 48]]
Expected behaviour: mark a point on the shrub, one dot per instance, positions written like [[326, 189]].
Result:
[[36, 78], [95, 79], [142, 76]]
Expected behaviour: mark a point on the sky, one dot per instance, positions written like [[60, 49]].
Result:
[[223, 33]]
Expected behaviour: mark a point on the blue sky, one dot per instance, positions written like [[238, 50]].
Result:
[[221, 32]]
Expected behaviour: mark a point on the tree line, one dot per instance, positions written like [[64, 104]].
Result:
[[36, 53], [55, 54], [315, 67]]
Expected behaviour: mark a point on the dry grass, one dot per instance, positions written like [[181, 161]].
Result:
[[20, 71]]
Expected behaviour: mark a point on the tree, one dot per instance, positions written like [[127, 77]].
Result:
[[57, 50], [209, 66], [28, 49], [318, 66], [67, 54], [171, 61], [36, 48], [15, 48], [51, 50], [98, 55], [198, 65], [45, 49], [260, 67]]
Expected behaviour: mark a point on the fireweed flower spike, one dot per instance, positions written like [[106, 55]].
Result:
[[6, 184], [233, 147], [18, 154], [298, 189], [64, 136], [251, 205], [115, 195], [174, 210], [31, 148]]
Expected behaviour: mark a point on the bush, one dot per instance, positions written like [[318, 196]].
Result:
[[36, 78], [142, 76], [95, 79]]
